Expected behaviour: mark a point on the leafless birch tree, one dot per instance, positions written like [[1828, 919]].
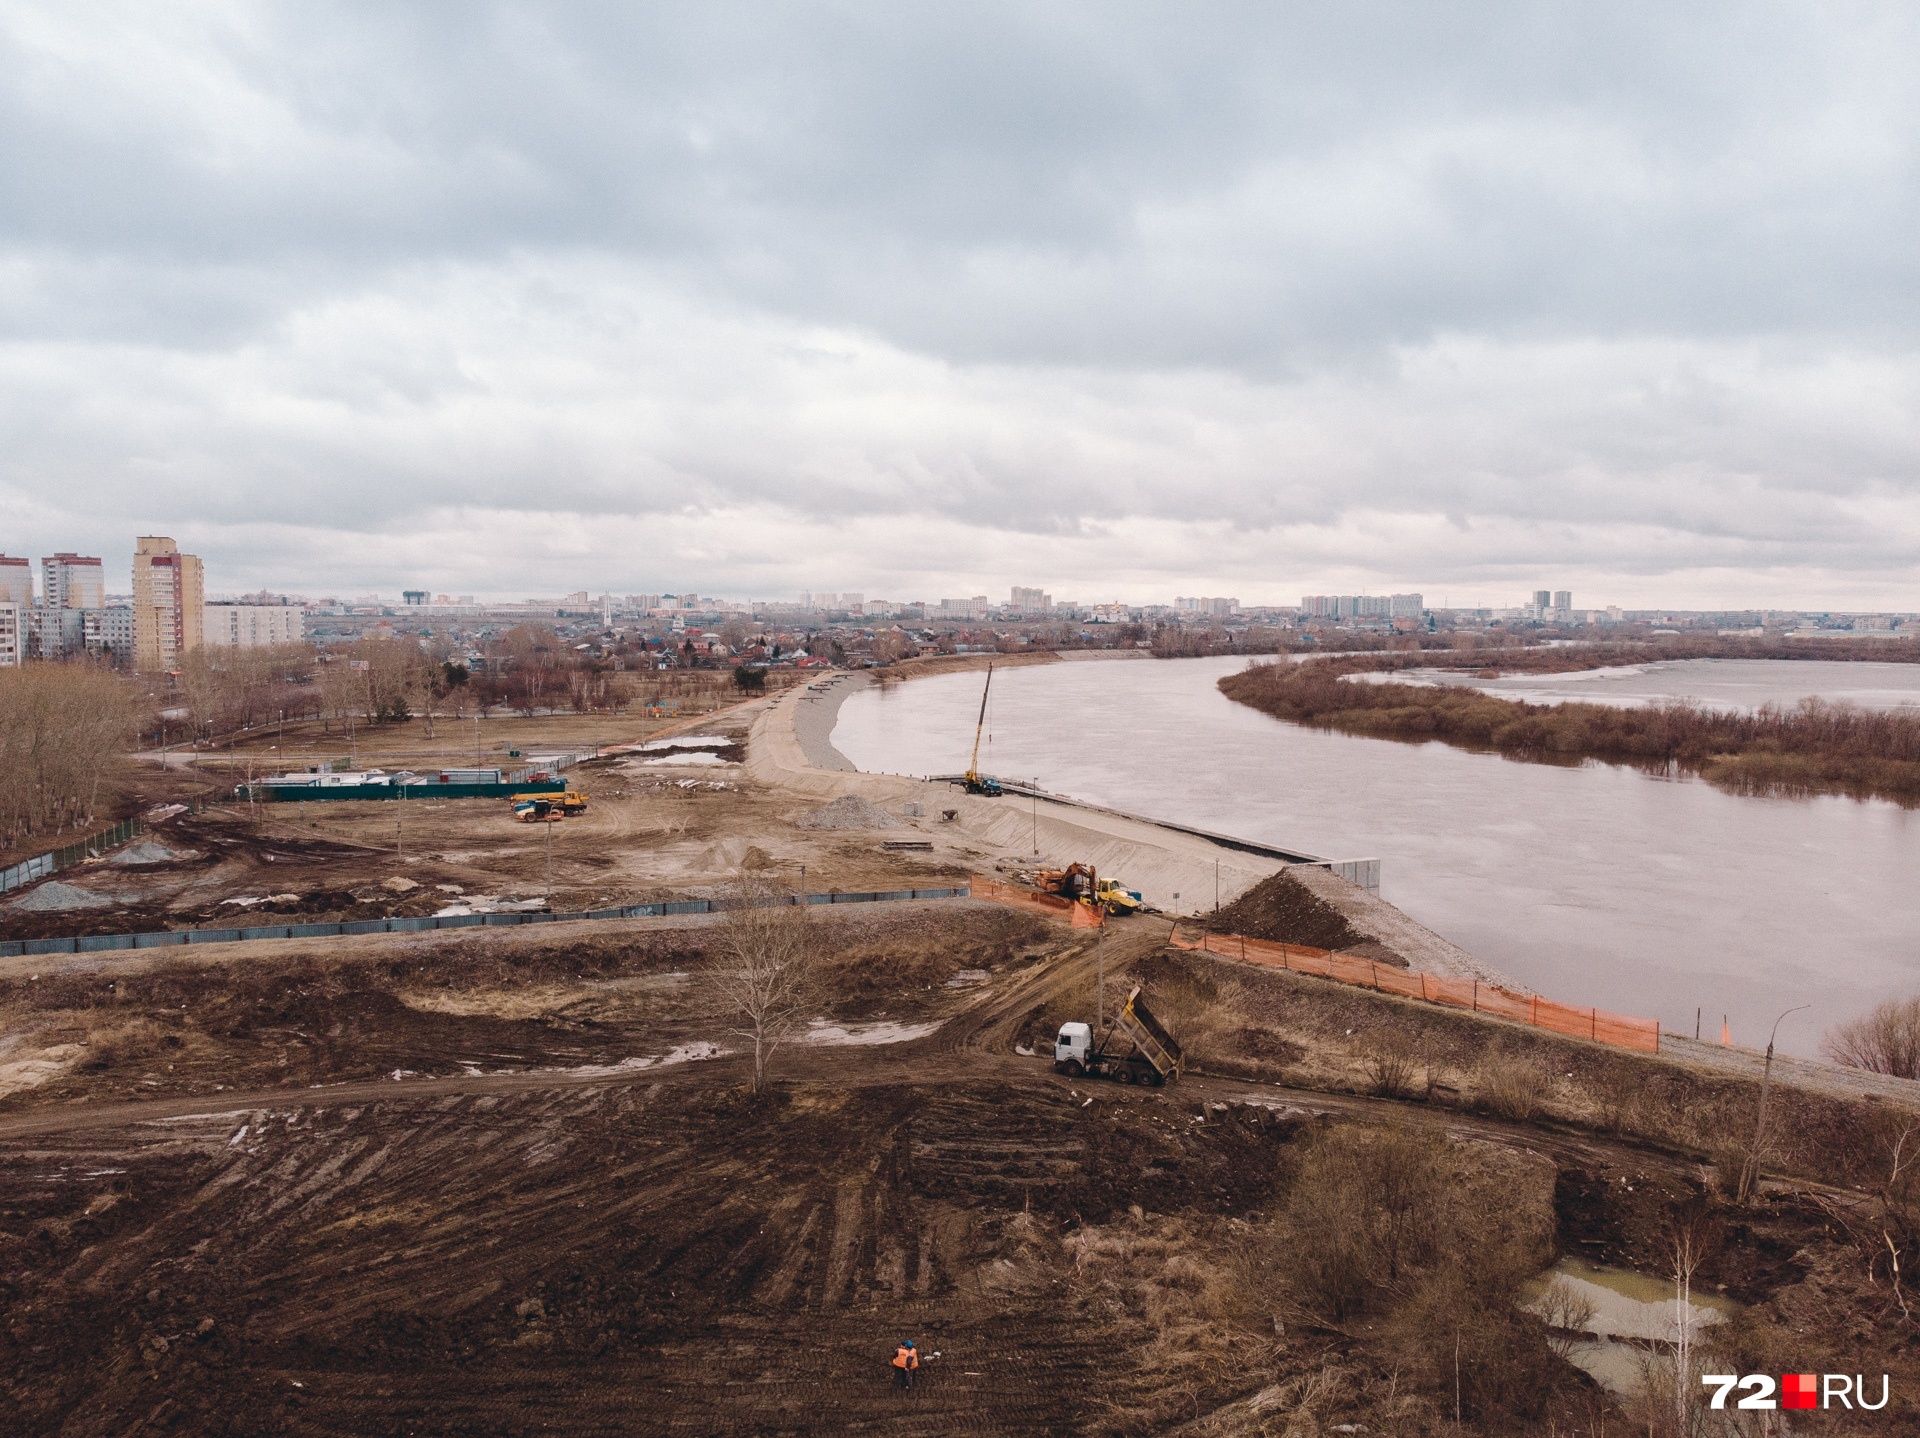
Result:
[[765, 972]]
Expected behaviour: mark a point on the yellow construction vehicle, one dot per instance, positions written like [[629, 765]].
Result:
[[568, 803], [1116, 899], [1083, 885], [973, 781]]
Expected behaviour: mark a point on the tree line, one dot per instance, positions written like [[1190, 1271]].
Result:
[[1810, 747], [63, 730]]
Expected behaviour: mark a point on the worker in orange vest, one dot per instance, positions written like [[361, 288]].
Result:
[[905, 1361]]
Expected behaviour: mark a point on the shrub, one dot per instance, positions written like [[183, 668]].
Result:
[[1511, 1087], [1362, 1216], [1886, 1041], [1390, 1061]]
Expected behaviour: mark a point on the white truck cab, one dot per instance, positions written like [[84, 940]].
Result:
[[1072, 1046]]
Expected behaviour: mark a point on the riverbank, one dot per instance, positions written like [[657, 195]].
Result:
[[1810, 749], [790, 748]]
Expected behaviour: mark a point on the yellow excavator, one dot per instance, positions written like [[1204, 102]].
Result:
[[1083, 885], [973, 780]]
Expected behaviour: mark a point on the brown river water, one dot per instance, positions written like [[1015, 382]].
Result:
[[1593, 884]]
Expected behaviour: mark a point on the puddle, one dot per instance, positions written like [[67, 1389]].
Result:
[[822, 1032], [1624, 1319]]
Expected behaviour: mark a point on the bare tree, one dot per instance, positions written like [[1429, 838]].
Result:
[[1686, 1245], [766, 970], [62, 728], [1886, 1041]]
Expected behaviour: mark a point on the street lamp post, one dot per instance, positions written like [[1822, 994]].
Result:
[[1750, 1169]]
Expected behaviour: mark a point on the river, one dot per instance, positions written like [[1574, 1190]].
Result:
[[1592, 884]]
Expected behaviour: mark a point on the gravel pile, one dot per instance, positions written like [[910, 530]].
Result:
[[849, 811], [148, 852], [55, 897]]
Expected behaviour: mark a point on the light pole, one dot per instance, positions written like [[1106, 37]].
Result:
[[1750, 1170]]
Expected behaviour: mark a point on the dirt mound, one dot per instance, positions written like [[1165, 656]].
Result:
[[148, 852], [57, 896], [849, 811], [1280, 908]]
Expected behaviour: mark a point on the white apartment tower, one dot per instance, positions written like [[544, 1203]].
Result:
[[16, 581], [72, 581]]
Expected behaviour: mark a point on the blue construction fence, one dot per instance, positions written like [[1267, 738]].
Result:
[[170, 938]]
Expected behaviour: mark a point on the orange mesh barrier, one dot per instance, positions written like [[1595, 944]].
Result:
[[1598, 1025], [1050, 904]]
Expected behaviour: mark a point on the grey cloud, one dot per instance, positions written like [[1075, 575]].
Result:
[[1629, 281]]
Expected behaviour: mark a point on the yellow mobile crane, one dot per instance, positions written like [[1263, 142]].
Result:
[[973, 780]]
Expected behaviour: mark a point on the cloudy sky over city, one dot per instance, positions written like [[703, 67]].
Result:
[[1122, 300]]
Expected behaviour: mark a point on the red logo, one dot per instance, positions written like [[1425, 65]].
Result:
[[1799, 1390]]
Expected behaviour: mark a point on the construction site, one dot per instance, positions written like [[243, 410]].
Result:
[[527, 1164]]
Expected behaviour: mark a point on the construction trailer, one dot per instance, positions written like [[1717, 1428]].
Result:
[[1154, 1057]]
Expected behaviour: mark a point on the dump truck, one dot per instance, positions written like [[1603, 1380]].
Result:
[[1154, 1058]]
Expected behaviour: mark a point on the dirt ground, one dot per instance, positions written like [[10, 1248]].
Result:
[[509, 1182], [659, 824]]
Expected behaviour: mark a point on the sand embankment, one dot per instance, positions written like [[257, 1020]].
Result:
[[791, 747]]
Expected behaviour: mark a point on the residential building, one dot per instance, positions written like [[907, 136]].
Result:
[[53, 633], [1362, 606], [1032, 601], [114, 634], [16, 581], [10, 636], [1563, 599], [169, 602], [1543, 599], [72, 581], [252, 626]]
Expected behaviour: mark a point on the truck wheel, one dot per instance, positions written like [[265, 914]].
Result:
[[1072, 1068], [1126, 1075]]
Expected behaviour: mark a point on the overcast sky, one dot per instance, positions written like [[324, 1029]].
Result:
[[1121, 300]]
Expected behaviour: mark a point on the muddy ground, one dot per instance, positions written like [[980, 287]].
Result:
[[663, 824], [490, 1184], [512, 1181]]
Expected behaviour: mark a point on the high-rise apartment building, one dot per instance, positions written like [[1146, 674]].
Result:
[[72, 581], [16, 581], [169, 602], [1542, 599], [1031, 601], [12, 640], [1563, 599]]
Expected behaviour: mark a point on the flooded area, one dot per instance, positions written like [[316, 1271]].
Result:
[[1613, 1321], [1714, 683], [1594, 884]]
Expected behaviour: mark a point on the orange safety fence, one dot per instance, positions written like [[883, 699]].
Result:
[[1598, 1025], [1050, 904]]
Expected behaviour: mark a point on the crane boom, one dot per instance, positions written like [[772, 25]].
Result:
[[973, 764], [971, 780]]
